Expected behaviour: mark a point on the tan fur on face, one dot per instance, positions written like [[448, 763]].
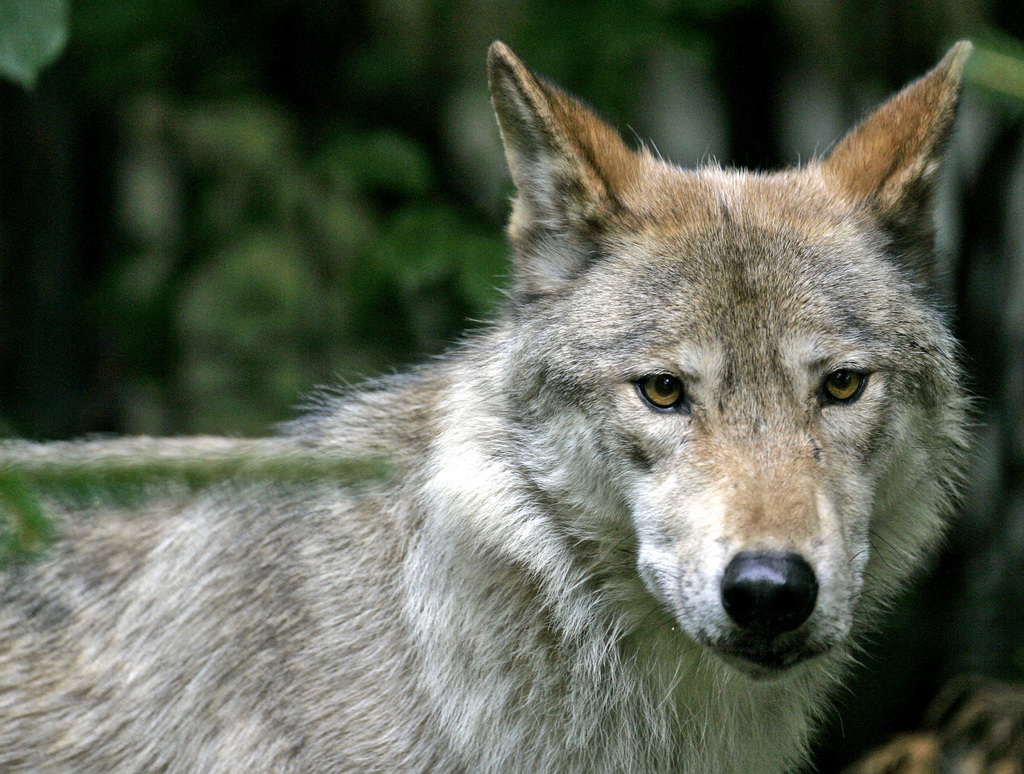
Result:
[[770, 497]]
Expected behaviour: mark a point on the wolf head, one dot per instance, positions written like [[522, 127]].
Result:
[[744, 373]]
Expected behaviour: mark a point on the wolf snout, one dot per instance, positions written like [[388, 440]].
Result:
[[769, 593]]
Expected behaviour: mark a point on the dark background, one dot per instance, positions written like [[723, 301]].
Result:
[[208, 208]]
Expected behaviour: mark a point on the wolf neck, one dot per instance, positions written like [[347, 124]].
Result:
[[541, 639]]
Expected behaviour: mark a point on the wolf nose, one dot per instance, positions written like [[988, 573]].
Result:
[[769, 593]]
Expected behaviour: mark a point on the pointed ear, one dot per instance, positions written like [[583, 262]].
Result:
[[889, 163], [568, 167]]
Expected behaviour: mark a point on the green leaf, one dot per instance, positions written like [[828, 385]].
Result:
[[32, 34]]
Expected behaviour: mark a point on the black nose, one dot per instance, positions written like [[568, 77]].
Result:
[[769, 593]]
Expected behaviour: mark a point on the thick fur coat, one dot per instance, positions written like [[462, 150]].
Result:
[[635, 525]]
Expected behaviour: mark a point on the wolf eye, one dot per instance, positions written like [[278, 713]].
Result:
[[663, 391], [844, 385]]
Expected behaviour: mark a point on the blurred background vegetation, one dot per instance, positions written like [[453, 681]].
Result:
[[207, 208]]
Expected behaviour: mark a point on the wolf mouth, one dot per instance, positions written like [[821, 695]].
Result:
[[767, 657]]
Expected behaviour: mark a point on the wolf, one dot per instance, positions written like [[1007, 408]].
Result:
[[637, 524]]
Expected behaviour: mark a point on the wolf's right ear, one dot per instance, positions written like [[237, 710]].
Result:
[[568, 167]]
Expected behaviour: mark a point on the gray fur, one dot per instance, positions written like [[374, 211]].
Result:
[[536, 586]]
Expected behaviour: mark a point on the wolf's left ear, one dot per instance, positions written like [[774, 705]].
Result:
[[889, 162], [568, 167]]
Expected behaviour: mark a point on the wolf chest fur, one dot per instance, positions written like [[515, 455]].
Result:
[[636, 524]]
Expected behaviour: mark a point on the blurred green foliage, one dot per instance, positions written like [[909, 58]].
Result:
[[997, 65], [266, 247], [25, 529], [32, 35]]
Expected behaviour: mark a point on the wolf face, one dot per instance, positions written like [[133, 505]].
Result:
[[742, 376]]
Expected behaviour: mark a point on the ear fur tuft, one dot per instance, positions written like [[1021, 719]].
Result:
[[890, 161], [568, 167]]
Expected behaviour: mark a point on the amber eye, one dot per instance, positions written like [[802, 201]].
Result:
[[844, 385], [662, 391]]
